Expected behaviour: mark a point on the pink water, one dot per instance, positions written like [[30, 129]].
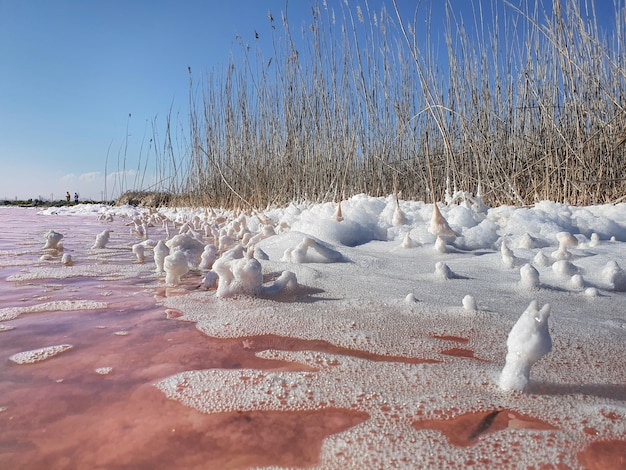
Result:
[[61, 413]]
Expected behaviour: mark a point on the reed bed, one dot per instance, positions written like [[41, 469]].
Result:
[[527, 106]]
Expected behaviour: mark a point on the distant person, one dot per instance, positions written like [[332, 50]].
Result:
[[76, 198], [68, 197]]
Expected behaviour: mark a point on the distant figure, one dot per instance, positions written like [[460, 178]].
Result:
[[76, 198], [68, 197]]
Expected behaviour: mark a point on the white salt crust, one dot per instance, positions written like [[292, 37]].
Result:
[[10, 313], [38, 355]]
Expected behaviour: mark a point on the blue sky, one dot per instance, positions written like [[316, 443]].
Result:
[[72, 71]]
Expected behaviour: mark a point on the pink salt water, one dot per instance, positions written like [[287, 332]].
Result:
[[95, 405]]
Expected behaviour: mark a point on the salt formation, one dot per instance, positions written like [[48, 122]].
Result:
[[614, 276], [337, 215], [138, 250], [398, 216], [564, 267], [161, 250], [577, 281], [442, 271], [530, 277], [469, 303], [266, 232], [238, 274], [565, 239], [102, 239], [190, 246], [287, 281], [208, 256], [527, 242], [175, 266], [302, 253], [52, 240], [528, 341], [209, 280], [439, 225], [440, 245], [508, 258], [408, 242], [542, 260], [67, 260], [37, 355]]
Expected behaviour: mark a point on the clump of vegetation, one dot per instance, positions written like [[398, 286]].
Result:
[[144, 198], [525, 108]]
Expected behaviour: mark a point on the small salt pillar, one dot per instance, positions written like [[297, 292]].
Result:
[[175, 266], [161, 250], [102, 239], [528, 341]]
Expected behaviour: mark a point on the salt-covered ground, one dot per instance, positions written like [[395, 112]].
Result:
[[366, 342]]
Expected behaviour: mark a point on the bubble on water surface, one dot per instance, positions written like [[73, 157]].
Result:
[[38, 355]]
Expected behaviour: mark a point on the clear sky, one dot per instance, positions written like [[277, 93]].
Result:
[[72, 71]]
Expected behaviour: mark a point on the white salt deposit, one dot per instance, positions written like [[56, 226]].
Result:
[[161, 250], [102, 239], [139, 250], [361, 306], [176, 265], [52, 240], [469, 303], [311, 251], [564, 267], [104, 370], [565, 240], [9, 313], [614, 276], [190, 246], [529, 277], [528, 341], [442, 271], [508, 258], [238, 274], [38, 355]]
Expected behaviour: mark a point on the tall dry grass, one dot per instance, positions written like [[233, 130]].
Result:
[[527, 106]]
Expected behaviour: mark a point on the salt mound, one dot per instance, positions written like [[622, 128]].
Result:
[[102, 239], [176, 265], [190, 246], [237, 274], [529, 277], [615, 276], [311, 251], [38, 355], [52, 240]]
